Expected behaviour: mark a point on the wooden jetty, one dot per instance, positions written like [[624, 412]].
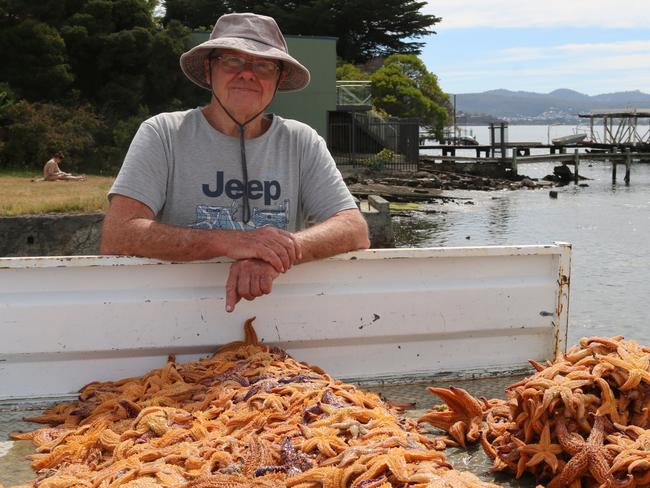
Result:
[[558, 154], [626, 158], [521, 148], [621, 126], [624, 141]]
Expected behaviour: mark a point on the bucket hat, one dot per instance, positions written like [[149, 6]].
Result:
[[257, 35]]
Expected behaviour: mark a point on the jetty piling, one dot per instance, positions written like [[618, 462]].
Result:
[[626, 159]]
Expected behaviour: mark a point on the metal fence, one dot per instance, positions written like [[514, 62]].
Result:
[[363, 139]]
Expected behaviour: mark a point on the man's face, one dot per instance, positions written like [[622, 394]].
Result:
[[246, 92]]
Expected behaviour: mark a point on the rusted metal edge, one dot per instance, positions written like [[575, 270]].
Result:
[[561, 318], [411, 378]]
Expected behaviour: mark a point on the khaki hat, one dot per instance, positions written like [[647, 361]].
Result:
[[257, 35]]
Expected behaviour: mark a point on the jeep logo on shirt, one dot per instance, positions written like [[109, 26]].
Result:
[[234, 189]]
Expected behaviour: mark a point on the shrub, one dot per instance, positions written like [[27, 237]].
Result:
[[33, 131], [378, 162]]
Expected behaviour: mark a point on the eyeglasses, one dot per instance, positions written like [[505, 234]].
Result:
[[237, 64]]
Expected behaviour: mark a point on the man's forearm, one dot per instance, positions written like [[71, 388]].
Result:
[[345, 231], [144, 237]]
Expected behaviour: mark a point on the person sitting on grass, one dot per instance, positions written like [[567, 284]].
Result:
[[52, 172]]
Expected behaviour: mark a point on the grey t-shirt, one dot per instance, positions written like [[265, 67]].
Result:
[[190, 174]]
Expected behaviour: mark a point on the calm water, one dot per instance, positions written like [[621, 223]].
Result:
[[608, 225]]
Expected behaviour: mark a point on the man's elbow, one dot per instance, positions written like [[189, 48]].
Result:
[[361, 235], [363, 240], [109, 243], [107, 246]]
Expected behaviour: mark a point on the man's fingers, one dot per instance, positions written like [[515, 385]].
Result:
[[281, 252], [255, 288], [248, 279], [293, 248], [283, 243], [272, 258], [279, 248], [296, 248], [232, 296], [244, 285], [266, 284]]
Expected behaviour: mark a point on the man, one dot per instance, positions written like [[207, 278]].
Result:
[[52, 171], [228, 180]]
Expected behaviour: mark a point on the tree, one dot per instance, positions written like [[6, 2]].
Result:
[[195, 14], [33, 58], [364, 28], [167, 88], [36, 130], [51, 12], [404, 87], [109, 43], [349, 72], [71, 55], [369, 28]]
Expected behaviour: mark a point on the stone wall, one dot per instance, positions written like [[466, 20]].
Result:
[[79, 234], [380, 227], [50, 235]]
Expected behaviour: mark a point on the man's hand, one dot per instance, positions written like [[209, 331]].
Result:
[[130, 228], [277, 247], [248, 279]]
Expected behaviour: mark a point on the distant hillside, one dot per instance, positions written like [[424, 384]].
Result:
[[562, 103]]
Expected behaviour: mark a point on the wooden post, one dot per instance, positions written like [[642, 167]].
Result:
[[628, 165], [513, 163], [576, 164], [614, 166]]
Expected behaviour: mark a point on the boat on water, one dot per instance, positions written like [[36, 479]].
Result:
[[466, 141], [568, 140], [456, 136]]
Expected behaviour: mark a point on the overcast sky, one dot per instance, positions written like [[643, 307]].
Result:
[[595, 46]]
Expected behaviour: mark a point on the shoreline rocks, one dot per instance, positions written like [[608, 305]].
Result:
[[428, 185]]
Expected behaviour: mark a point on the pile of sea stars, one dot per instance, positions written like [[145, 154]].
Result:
[[249, 416], [583, 420]]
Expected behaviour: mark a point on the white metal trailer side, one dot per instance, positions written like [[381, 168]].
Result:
[[376, 314]]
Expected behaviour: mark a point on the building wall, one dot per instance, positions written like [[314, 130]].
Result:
[[311, 105]]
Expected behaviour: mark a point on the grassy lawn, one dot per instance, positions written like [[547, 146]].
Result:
[[19, 195]]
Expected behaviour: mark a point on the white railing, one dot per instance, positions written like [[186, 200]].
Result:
[[353, 92]]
